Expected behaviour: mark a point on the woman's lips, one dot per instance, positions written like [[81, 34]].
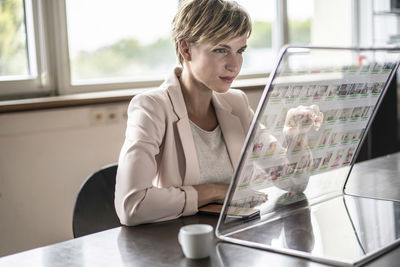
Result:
[[227, 79]]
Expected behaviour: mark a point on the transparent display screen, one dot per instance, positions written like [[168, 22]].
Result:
[[307, 131]]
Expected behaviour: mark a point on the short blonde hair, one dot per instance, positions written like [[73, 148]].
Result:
[[209, 20]]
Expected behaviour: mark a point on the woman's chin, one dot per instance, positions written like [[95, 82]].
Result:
[[221, 89]]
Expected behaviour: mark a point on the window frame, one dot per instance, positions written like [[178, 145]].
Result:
[[64, 82], [37, 82], [48, 25]]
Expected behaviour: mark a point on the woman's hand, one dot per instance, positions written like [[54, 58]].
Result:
[[249, 198], [301, 119], [211, 193]]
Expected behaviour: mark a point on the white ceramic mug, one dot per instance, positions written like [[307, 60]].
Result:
[[196, 240]]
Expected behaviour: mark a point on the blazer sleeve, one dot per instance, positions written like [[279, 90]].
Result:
[[137, 200]]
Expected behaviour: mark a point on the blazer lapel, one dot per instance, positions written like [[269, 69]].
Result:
[[231, 128], [192, 170]]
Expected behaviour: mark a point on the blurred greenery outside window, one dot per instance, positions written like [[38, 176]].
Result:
[[300, 32], [136, 56], [119, 41], [299, 15], [13, 42]]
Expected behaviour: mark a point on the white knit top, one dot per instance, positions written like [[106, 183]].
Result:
[[214, 162]]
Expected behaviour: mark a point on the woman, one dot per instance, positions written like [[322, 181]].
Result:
[[183, 140]]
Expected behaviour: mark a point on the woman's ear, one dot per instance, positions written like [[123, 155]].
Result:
[[184, 49]]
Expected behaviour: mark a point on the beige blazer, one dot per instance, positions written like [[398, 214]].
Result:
[[158, 163]]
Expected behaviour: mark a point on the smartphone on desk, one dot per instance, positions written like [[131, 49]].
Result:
[[233, 212]]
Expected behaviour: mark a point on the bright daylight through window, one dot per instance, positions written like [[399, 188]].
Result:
[[123, 41], [68, 46], [299, 21], [127, 40], [13, 40]]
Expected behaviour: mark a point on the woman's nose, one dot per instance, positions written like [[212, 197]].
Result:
[[234, 63]]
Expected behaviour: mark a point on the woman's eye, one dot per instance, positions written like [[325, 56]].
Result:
[[220, 50], [241, 51]]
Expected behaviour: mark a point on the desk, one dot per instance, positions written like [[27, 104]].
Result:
[[157, 244]]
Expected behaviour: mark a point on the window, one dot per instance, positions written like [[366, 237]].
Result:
[[131, 46], [71, 46], [299, 21], [121, 40], [20, 60], [13, 40], [259, 56], [320, 23]]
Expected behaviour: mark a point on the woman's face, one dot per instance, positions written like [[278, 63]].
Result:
[[216, 66]]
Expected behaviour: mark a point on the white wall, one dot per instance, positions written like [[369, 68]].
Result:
[[44, 158]]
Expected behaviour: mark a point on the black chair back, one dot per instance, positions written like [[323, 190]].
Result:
[[94, 209]]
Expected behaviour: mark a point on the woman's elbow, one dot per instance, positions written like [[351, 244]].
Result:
[[129, 216], [127, 209]]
